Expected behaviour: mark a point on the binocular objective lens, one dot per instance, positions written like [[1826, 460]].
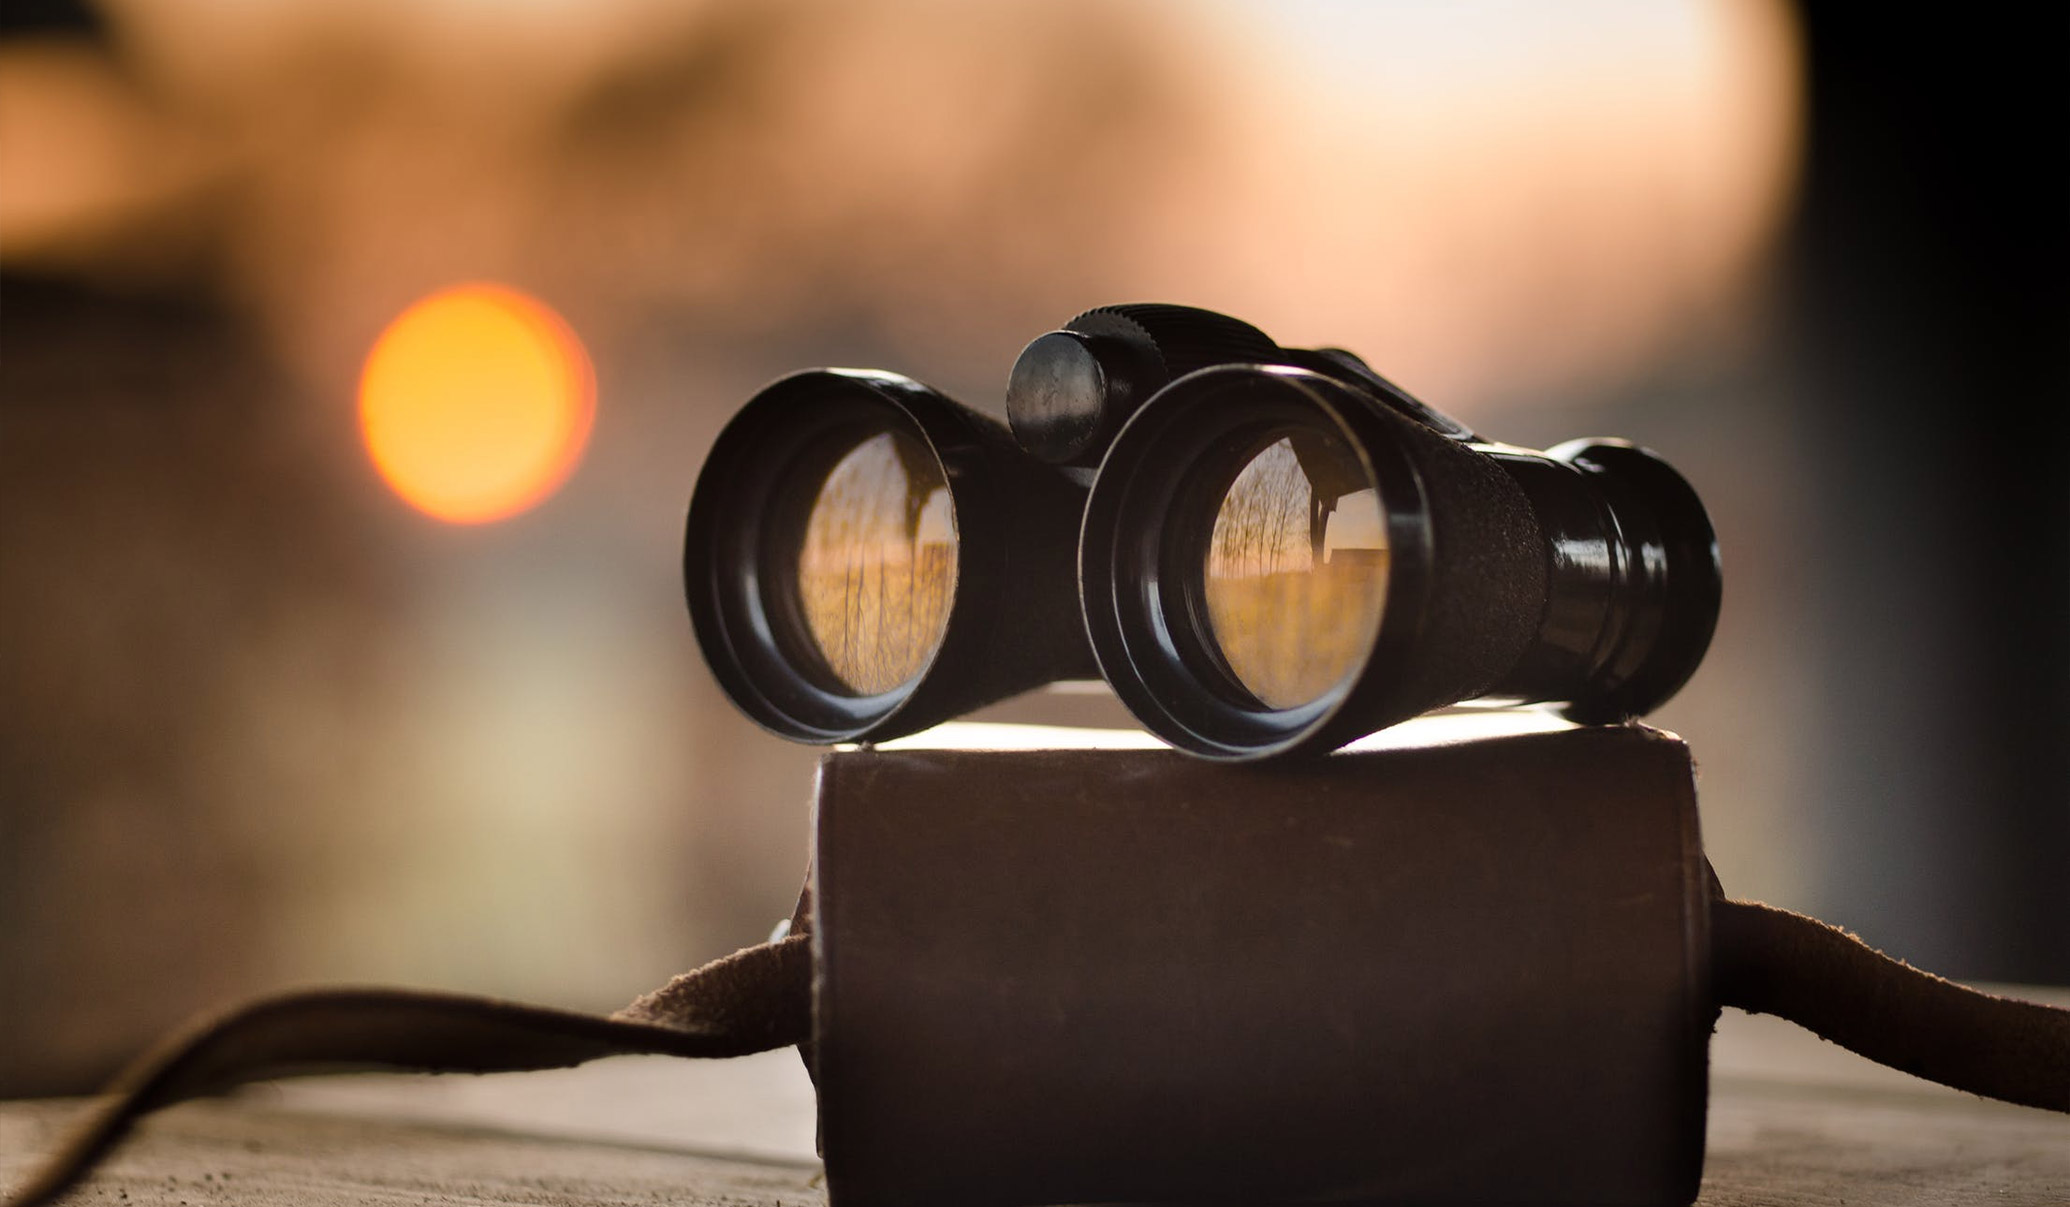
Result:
[[876, 563], [1294, 575]]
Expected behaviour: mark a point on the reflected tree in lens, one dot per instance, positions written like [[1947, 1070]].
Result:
[[1296, 569], [877, 564]]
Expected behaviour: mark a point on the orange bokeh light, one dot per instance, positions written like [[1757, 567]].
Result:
[[476, 402]]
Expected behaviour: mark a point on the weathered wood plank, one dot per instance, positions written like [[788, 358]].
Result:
[[1772, 1143], [244, 1153], [1793, 1120]]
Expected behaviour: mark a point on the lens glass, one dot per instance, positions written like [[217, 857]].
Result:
[[1295, 572], [877, 563]]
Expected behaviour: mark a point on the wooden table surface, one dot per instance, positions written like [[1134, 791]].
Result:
[[1793, 1121]]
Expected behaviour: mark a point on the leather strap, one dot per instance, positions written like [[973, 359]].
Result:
[[751, 1001], [1765, 960], [1772, 961]]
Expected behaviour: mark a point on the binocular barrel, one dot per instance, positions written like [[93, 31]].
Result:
[[1263, 550], [1275, 560], [866, 558]]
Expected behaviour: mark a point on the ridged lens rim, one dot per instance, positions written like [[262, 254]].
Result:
[[757, 483]]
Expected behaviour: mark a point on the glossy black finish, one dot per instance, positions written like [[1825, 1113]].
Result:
[[1587, 575], [1347, 367], [1464, 590], [1634, 579], [1013, 620], [1071, 390], [1057, 398]]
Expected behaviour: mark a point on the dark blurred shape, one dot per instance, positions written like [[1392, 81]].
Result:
[[48, 17], [176, 572], [1927, 341]]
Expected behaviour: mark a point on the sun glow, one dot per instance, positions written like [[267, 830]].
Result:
[[475, 403]]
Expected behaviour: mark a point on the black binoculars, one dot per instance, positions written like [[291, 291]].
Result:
[[1263, 550]]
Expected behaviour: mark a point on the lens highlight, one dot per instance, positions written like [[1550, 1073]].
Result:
[[876, 565], [1294, 577]]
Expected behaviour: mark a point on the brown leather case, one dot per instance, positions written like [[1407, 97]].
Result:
[[1472, 973]]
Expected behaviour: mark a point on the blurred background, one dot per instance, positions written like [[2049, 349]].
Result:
[[278, 706]]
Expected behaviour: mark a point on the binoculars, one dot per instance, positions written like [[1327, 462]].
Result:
[[1264, 550]]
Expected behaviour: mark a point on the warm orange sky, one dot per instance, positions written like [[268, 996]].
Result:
[[1493, 198]]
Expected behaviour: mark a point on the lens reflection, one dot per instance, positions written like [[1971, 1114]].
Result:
[[877, 563], [1295, 574]]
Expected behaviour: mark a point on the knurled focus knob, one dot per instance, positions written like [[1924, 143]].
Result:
[[1072, 389]]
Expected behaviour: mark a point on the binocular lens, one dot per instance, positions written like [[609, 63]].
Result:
[[1276, 559], [876, 563], [865, 557], [1294, 569], [1278, 551]]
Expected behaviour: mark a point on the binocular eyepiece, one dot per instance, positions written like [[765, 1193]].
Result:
[[1262, 549]]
